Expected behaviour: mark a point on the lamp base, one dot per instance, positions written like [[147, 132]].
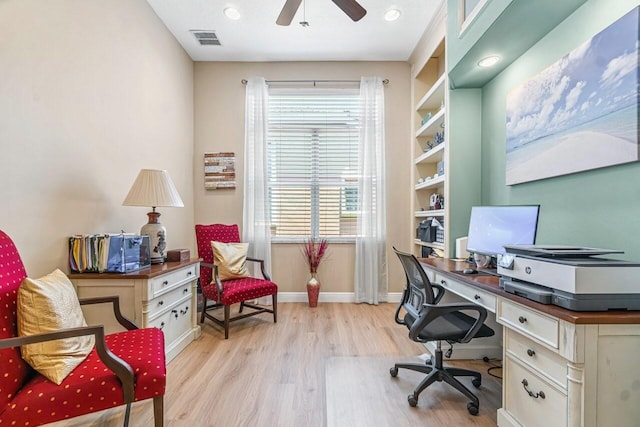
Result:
[[157, 237]]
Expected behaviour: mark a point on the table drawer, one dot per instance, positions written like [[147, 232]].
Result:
[[472, 293], [524, 397], [174, 322], [161, 284], [165, 300], [536, 357], [530, 322]]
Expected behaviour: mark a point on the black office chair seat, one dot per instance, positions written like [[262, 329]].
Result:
[[449, 327], [428, 320]]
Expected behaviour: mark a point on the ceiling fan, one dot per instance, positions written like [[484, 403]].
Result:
[[351, 7]]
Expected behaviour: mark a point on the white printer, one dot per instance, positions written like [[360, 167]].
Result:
[[570, 277]]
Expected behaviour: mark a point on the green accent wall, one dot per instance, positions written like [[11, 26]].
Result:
[[597, 208]]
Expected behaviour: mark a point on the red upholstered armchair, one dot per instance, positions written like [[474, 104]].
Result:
[[228, 292], [122, 368]]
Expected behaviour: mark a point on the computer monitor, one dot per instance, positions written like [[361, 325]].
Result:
[[492, 227]]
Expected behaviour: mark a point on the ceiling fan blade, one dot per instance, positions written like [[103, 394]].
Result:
[[352, 8], [288, 12]]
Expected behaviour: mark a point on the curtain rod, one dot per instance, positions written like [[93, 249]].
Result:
[[244, 81]]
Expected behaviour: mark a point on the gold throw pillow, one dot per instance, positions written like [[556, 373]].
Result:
[[49, 304], [231, 259]]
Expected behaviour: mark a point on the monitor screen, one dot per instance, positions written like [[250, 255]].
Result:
[[492, 227]]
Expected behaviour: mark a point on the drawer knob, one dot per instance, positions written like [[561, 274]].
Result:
[[185, 290], [530, 352], [189, 273], [162, 325], [539, 394], [476, 297], [522, 319], [175, 313], [160, 302], [443, 282], [165, 283]]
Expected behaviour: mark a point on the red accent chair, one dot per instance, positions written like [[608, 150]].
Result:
[[123, 367], [228, 292]]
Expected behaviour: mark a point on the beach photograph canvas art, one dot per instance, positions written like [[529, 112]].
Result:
[[581, 112]]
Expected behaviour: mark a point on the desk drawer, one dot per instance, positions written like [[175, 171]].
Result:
[[174, 322], [528, 409], [530, 322], [165, 300], [536, 357], [161, 284], [472, 293]]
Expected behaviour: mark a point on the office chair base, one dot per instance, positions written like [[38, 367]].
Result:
[[437, 372]]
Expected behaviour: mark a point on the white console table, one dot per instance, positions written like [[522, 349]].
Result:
[[162, 296], [560, 367]]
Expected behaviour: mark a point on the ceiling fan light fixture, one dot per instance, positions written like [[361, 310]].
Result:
[[232, 13], [392, 15]]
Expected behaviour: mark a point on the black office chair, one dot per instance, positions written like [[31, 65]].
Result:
[[429, 321]]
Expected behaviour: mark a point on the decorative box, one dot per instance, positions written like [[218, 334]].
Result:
[[178, 255]]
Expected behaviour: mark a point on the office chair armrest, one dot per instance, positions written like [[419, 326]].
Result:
[[115, 302], [438, 296], [261, 261], [430, 312], [214, 275], [122, 369]]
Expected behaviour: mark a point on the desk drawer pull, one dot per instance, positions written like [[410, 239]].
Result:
[[530, 352], [522, 319], [175, 313], [162, 325], [476, 297], [160, 302], [183, 312], [189, 273], [185, 291], [443, 282], [165, 283], [540, 394]]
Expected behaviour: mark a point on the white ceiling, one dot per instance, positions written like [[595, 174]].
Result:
[[331, 35]]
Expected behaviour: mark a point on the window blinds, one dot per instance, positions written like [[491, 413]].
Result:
[[312, 160]]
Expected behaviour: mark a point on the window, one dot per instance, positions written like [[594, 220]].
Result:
[[312, 161]]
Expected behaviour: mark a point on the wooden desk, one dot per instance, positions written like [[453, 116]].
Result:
[[585, 364], [163, 296]]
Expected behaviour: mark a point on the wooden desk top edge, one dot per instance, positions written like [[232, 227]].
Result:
[[448, 267], [146, 273]]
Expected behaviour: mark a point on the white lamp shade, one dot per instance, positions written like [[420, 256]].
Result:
[[153, 188]]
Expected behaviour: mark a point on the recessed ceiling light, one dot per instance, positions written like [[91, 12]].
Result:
[[232, 13], [489, 61], [392, 15]]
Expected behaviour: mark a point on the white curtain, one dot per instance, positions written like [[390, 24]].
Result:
[[371, 257], [255, 217]]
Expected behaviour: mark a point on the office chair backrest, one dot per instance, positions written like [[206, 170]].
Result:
[[419, 289]]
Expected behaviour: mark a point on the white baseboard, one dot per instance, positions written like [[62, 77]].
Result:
[[348, 297]]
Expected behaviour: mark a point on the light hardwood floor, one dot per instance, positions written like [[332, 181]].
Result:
[[270, 374]]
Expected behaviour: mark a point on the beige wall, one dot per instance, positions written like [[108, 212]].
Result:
[[91, 92], [219, 126]]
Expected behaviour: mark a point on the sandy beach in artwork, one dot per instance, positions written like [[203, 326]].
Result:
[[570, 153]]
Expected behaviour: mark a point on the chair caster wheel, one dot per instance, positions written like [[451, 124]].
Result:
[[413, 400], [393, 371], [472, 408], [477, 382]]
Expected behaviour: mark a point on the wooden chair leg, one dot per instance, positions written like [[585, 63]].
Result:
[[241, 306], [274, 298], [204, 309], [127, 414], [158, 411], [227, 316]]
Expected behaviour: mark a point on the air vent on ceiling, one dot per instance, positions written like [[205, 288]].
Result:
[[206, 38]]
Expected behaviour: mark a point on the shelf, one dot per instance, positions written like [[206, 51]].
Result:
[[430, 244], [434, 155], [425, 214], [431, 183], [432, 100], [435, 124]]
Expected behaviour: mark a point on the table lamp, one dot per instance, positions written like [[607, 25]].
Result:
[[154, 188]]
